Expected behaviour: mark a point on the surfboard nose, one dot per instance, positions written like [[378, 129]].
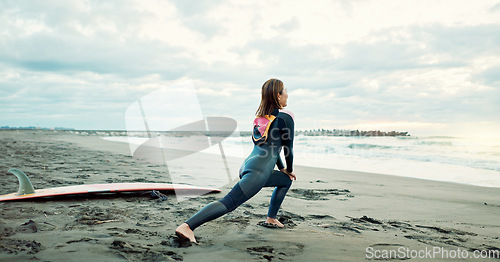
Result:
[[25, 186]]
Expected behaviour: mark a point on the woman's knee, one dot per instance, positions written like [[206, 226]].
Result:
[[285, 180], [286, 183], [234, 198]]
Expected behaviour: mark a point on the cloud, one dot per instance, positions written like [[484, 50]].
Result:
[[288, 26], [356, 61], [495, 8], [189, 8], [489, 72], [79, 100]]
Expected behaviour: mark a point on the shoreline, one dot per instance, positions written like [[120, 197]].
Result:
[[94, 140], [481, 183], [331, 214]]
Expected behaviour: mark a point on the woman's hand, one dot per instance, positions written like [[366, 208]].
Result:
[[291, 175]]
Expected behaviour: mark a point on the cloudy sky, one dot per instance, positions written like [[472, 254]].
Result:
[[427, 67]]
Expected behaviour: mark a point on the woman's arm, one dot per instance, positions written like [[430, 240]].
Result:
[[288, 150], [287, 134], [279, 163]]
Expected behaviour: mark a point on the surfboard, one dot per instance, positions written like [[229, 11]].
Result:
[[26, 190]]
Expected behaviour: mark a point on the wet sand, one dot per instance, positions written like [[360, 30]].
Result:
[[331, 215]]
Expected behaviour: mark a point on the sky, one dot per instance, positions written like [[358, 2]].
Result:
[[426, 67]]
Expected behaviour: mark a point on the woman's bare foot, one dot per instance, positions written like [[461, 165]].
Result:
[[274, 221], [185, 232]]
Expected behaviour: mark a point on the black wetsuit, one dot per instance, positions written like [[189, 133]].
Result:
[[257, 172]]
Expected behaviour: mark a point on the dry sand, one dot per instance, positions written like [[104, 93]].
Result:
[[331, 215]]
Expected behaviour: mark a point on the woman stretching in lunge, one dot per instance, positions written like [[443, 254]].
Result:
[[257, 170]]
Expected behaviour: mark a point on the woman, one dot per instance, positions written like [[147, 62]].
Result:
[[257, 170]]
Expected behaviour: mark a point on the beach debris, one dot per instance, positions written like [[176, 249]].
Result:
[[85, 239], [106, 221], [365, 219], [118, 244], [319, 216], [155, 194], [28, 227]]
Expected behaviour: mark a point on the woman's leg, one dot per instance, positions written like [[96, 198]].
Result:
[[282, 182], [254, 173], [250, 184]]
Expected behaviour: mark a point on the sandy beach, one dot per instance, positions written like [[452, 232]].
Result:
[[330, 215]]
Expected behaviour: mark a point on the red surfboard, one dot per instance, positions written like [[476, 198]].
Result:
[[26, 190]]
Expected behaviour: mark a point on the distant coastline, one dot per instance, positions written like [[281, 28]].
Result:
[[311, 132], [34, 128], [348, 132]]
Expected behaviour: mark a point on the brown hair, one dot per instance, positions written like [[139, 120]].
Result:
[[270, 90]]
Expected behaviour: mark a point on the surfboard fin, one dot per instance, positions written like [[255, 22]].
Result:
[[25, 186]]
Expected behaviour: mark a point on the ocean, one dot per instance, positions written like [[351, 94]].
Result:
[[473, 161]]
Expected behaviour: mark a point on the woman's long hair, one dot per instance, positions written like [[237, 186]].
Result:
[[269, 101]]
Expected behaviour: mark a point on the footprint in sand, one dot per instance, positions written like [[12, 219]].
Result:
[[427, 234], [268, 250], [136, 252], [319, 194], [15, 246]]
